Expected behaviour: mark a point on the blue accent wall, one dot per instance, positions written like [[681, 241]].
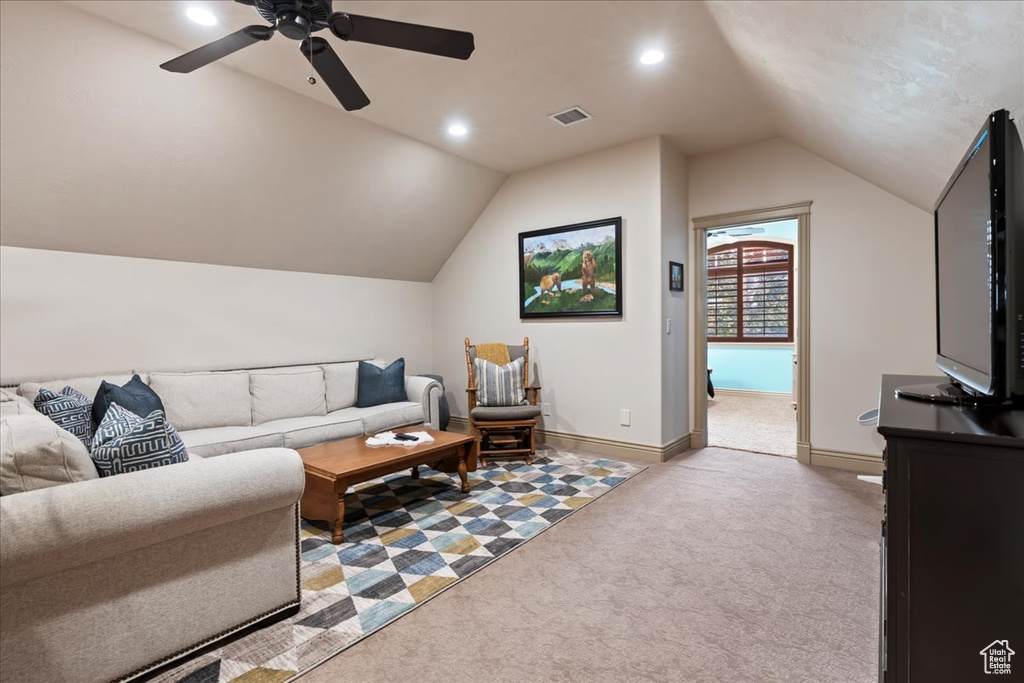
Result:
[[753, 368]]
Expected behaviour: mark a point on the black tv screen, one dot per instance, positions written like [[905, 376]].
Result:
[[964, 260], [979, 267]]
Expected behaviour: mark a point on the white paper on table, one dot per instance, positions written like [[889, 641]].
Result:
[[388, 439]]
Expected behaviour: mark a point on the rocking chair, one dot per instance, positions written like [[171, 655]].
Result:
[[504, 431]]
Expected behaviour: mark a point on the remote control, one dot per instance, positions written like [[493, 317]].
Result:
[[406, 437]]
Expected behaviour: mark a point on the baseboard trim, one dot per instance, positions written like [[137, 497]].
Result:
[[863, 463], [803, 452], [751, 392], [600, 445]]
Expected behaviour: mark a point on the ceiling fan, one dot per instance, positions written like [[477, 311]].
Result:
[[300, 19]]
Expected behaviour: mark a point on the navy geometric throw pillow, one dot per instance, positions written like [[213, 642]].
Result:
[[70, 410], [125, 442]]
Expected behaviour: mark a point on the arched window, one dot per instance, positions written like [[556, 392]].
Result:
[[750, 292]]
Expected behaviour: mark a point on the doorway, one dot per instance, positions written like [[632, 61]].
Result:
[[751, 331]]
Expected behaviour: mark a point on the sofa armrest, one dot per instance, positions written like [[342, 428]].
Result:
[[54, 529], [428, 392]]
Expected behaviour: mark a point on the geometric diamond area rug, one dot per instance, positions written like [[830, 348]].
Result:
[[406, 541]]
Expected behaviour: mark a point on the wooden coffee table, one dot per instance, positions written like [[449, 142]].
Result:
[[332, 467]]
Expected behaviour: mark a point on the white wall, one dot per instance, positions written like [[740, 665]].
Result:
[[66, 314], [589, 368], [675, 372], [872, 275]]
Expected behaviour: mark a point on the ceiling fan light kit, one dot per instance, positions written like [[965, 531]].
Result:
[[300, 19]]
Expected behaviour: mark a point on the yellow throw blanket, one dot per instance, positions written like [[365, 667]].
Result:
[[495, 353]]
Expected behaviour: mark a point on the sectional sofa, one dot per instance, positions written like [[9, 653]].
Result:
[[109, 578], [226, 411]]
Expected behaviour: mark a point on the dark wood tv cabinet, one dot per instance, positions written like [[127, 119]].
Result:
[[952, 539]]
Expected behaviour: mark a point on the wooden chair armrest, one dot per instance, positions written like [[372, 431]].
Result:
[[532, 394]]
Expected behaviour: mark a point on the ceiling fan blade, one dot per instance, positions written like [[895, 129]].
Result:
[[434, 41], [337, 77], [201, 56]]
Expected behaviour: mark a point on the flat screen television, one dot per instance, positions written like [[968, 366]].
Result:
[[979, 272]]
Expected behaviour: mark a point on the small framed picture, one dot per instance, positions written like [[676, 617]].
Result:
[[675, 276]]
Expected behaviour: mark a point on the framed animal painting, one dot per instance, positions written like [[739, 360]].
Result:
[[572, 270]]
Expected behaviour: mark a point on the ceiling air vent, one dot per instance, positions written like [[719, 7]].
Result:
[[571, 116]]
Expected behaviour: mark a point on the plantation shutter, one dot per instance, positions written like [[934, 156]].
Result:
[[750, 292], [723, 293]]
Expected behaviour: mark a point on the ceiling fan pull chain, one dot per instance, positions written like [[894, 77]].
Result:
[[309, 40]]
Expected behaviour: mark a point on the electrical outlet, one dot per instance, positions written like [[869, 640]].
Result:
[[545, 408], [668, 325], [624, 417]]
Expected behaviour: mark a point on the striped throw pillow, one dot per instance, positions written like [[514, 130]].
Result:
[[125, 442], [499, 385], [69, 409]]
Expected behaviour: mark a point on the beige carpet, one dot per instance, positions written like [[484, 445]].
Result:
[[716, 566], [760, 423]]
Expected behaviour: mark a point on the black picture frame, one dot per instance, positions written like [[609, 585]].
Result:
[[676, 283], [545, 254]]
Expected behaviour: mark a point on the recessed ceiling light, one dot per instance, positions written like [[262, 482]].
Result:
[[457, 130], [201, 16], [652, 57]]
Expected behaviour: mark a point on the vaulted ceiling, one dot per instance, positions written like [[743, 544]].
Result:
[[890, 91]]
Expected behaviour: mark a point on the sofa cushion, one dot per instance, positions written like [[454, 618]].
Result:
[[9, 408], [299, 432], [341, 380], [377, 386], [197, 400], [135, 396], [125, 442], [213, 441], [381, 418], [485, 413], [86, 385], [7, 395], [35, 453], [13, 404], [69, 409], [279, 393]]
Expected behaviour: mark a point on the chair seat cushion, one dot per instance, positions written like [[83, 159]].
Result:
[[495, 413]]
